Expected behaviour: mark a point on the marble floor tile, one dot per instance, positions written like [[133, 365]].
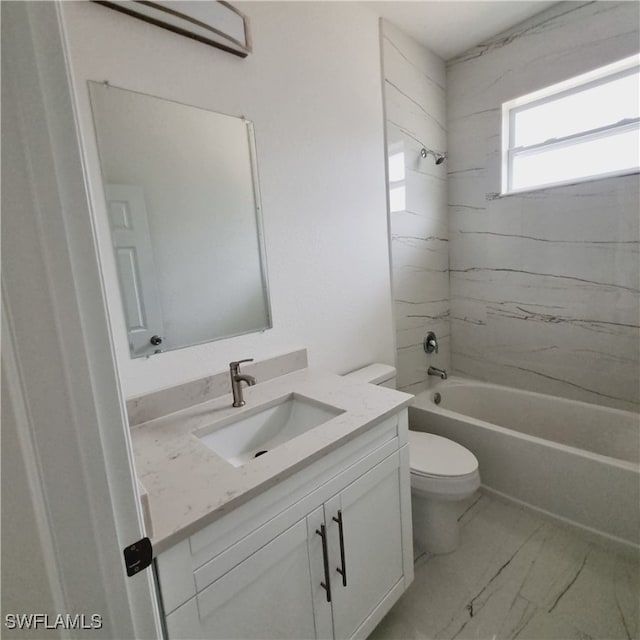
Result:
[[502, 532], [560, 559], [543, 625], [517, 576], [602, 597]]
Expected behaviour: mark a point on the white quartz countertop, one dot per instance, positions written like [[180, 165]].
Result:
[[190, 486]]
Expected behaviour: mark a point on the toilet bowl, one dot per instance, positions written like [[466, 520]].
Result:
[[443, 473]]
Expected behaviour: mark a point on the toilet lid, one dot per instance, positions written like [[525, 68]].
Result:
[[432, 455]]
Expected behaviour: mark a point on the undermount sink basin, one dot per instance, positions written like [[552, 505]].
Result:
[[252, 436]]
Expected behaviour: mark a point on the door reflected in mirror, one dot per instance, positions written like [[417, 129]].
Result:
[[182, 195]]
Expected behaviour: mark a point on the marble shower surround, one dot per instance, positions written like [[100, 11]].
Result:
[[415, 112], [545, 284]]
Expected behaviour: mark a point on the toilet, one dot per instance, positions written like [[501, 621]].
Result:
[[443, 473]]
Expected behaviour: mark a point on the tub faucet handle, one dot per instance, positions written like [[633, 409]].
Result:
[[430, 344]]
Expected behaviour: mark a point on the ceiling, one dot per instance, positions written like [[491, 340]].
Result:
[[450, 27]]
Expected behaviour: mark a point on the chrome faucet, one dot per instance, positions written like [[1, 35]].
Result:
[[237, 379], [434, 371]]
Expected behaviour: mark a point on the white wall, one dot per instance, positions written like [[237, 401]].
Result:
[[415, 112], [312, 88], [545, 285]]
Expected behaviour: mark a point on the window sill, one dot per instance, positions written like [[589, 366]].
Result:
[[566, 183]]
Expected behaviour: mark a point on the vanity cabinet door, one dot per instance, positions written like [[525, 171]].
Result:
[[372, 547], [268, 595]]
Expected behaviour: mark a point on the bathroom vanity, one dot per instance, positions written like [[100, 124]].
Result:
[[310, 539]]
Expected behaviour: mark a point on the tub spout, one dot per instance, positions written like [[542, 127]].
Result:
[[434, 371]]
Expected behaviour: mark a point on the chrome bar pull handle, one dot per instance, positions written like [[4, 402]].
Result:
[[326, 585], [343, 571]]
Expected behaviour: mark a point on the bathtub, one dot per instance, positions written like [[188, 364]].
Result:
[[572, 461]]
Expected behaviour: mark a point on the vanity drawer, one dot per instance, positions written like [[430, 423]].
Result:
[[191, 565]]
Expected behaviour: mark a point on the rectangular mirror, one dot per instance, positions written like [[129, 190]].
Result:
[[182, 196]]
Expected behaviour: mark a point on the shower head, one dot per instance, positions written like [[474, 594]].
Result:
[[438, 157]]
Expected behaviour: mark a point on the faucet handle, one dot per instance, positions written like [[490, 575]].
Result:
[[236, 363], [430, 343]]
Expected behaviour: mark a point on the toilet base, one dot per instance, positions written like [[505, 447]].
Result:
[[435, 524]]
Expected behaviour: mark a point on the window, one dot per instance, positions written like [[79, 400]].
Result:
[[581, 129], [397, 191]]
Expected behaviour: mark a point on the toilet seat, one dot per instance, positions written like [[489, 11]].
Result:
[[440, 468], [445, 489], [433, 456]]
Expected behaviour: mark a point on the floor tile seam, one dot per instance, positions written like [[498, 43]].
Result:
[[580, 627], [622, 616], [550, 527], [468, 613], [584, 635], [468, 509], [561, 578], [524, 621], [504, 565], [573, 581]]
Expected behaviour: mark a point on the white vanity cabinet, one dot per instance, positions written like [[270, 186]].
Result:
[[324, 554]]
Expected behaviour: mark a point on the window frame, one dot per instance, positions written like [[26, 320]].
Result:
[[397, 149], [627, 66]]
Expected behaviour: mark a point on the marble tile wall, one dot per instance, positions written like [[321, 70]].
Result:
[[545, 284], [415, 110]]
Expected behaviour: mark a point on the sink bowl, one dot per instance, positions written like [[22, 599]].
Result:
[[256, 434]]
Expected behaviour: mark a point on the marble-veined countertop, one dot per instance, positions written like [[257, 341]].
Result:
[[189, 486]]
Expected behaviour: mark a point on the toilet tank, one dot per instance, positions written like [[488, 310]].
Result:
[[380, 374]]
